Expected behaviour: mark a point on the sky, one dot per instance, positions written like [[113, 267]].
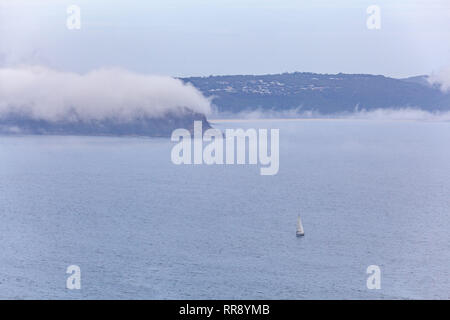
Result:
[[211, 37]]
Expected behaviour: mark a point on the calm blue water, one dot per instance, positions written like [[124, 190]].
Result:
[[141, 227]]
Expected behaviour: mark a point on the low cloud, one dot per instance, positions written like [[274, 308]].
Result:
[[259, 113], [441, 78], [45, 94], [400, 114], [411, 114]]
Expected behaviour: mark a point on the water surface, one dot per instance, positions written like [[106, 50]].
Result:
[[141, 227]]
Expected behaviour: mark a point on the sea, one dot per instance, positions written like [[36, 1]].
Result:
[[138, 226]]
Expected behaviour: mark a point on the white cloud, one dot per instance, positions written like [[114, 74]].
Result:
[[388, 114], [411, 114], [442, 78], [52, 95]]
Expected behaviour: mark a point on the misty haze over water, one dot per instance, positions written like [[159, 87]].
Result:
[[369, 192], [98, 104]]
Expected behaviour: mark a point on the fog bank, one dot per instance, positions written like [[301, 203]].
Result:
[[413, 114], [441, 78], [45, 94]]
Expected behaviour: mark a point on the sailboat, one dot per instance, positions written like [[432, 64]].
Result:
[[300, 232]]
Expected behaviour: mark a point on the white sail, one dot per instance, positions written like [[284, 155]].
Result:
[[300, 230]]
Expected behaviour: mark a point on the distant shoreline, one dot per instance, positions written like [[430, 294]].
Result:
[[307, 119]]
